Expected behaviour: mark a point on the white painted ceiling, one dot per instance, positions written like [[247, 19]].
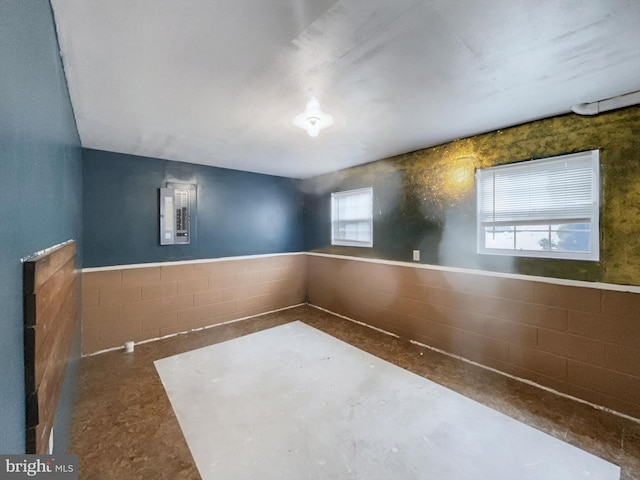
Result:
[[218, 82]]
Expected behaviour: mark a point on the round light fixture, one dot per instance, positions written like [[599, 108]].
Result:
[[313, 119]]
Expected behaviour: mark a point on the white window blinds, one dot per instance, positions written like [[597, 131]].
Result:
[[561, 190], [352, 217]]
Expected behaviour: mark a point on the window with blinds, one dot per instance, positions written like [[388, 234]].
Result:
[[541, 208], [352, 218]]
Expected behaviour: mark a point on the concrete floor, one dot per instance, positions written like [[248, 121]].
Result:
[[124, 425]]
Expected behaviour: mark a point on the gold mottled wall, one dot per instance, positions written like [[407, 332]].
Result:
[[426, 199]]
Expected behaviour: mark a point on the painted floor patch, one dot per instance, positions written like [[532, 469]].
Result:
[[294, 403]]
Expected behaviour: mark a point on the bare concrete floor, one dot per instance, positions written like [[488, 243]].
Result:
[[124, 426]]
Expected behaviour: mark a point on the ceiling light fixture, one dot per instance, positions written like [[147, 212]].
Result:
[[313, 119]]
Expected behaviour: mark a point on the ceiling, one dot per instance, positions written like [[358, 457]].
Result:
[[218, 82]]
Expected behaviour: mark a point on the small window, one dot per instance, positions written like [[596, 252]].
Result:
[[352, 218], [542, 208]]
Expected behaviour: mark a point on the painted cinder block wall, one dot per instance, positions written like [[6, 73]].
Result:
[[147, 302], [40, 192], [580, 339], [241, 260]]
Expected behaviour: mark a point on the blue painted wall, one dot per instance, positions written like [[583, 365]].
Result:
[[40, 188], [238, 213]]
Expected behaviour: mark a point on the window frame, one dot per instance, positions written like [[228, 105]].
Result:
[[593, 219], [335, 197]]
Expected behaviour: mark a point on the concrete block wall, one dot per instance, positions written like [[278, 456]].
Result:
[[144, 302], [577, 339]]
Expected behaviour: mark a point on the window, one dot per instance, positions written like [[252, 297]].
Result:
[[352, 218], [541, 208]]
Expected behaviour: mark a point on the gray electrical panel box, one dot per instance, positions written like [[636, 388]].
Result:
[[176, 210]]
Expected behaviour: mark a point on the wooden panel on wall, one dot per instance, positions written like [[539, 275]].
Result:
[[50, 309]]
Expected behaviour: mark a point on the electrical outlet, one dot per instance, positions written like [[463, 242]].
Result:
[[416, 255]]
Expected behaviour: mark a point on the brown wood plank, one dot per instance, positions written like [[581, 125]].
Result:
[[30, 444], [30, 362], [40, 268], [29, 277], [49, 390], [48, 314], [47, 296], [47, 403], [29, 306], [42, 439], [32, 409], [51, 294], [54, 345]]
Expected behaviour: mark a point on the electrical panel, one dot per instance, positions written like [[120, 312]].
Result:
[[175, 214]]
